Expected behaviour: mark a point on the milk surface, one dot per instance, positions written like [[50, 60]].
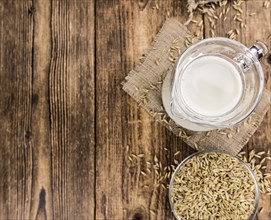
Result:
[[211, 85]]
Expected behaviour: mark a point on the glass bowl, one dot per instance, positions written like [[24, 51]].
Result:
[[253, 176]]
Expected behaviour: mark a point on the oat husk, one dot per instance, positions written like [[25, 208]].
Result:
[[144, 83], [213, 186], [193, 4]]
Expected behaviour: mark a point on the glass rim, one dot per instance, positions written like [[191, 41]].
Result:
[[253, 175], [213, 120]]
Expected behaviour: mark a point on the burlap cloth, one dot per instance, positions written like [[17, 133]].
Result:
[[144, 84]]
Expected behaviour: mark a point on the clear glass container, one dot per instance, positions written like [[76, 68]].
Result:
[[253, 176], [245, 63]]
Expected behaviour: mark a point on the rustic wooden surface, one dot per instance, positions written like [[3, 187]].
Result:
[[67, 128]]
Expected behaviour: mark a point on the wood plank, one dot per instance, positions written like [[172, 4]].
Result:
[[47, 109], [16, 149], [71, 94], [124, 31], [40, 126], [258, 28]]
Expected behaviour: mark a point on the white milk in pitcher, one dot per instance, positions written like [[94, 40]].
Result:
[[211, 86]]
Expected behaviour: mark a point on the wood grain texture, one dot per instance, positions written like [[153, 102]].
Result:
[[71, 96], [124, 31], [258, 29], [16, 151], [47, 109], [67, 128]]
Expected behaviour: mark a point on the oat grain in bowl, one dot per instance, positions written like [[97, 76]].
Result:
[[213, 185]]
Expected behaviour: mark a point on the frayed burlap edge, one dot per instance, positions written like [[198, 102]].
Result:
[[144, 83]]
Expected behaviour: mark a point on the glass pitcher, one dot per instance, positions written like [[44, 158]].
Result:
[[216, 83]]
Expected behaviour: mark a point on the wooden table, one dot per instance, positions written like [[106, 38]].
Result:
[[67, 128]]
